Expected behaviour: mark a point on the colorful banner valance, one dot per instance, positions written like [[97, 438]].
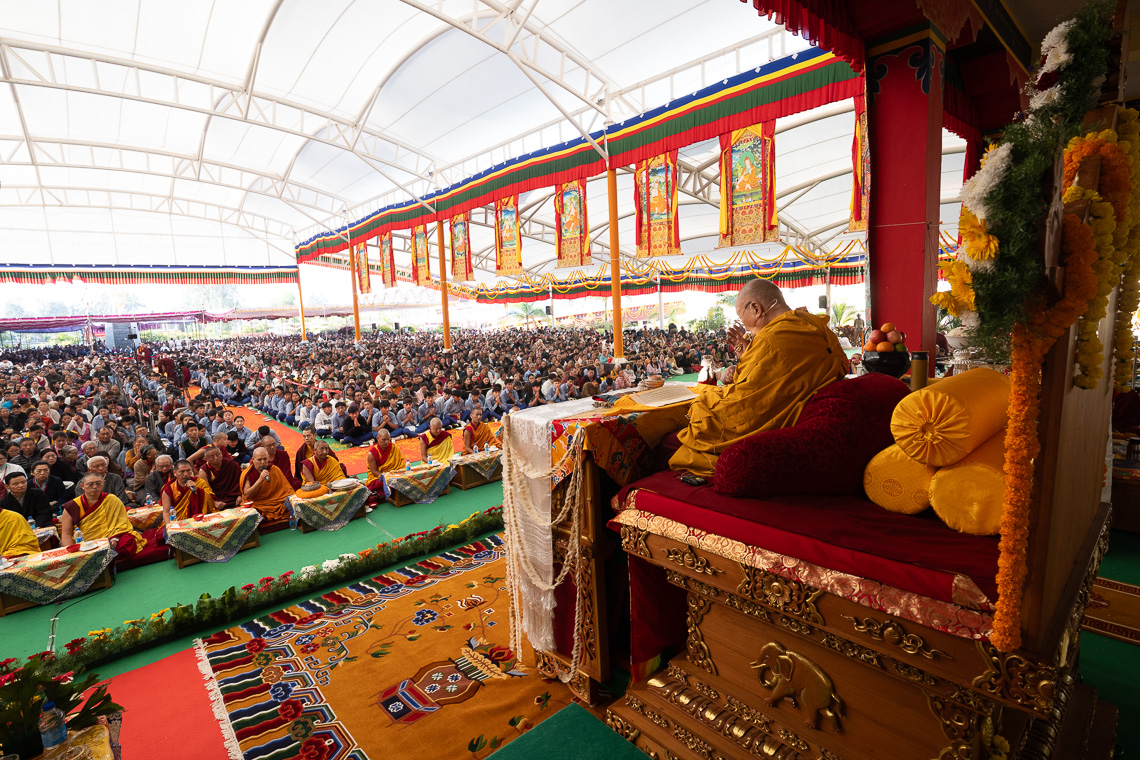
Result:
[[572, 228], [508, 236], [364, 280], [808, 79], [748, 186], [421, 257], [860, 169], [387, 260], [655, 190], [118, 274], [460, 249]]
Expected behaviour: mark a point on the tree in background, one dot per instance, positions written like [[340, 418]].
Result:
[[842, 315], [528, 313]]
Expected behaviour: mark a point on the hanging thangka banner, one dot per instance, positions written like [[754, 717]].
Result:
[[860, 169], [421, 269], [364, 277], [460, 248], [571, 225], [387, 260], [508, 236], [655, 185], [748, 186]]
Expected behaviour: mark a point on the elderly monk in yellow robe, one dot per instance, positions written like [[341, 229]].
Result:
[[188, 494], [16, 537], [785, 357], [322, 467], [99, 515], [383, 456], [436, 442], [476, 434], [266, 486]]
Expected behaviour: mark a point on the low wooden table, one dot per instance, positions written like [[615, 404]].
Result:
[[213, 537], [185, 559], [398, 499], [9, 603], [467, 469], [1125, 500], [304, 527], [421, 484]]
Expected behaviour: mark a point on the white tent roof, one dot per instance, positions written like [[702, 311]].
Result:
[[203, 131]]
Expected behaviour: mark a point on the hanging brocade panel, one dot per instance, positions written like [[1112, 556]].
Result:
[[421, 267], [571, 224], [508, 237], [387, 260], [748, 186], [364, 277], [460, 248], [860, 169], [655, 185]]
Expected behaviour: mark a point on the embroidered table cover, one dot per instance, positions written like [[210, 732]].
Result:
[[56, 574], [422, 484], [331, 511], [145, 518], [44, 535], [215, 537], [486, 463]]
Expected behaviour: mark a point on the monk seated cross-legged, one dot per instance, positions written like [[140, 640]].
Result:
[[266, 487], [383, 456], [322, 468], [223, 475], [99, 515], [186, 494], [477, 435], [16, 536], [785, 357], [436, 442]]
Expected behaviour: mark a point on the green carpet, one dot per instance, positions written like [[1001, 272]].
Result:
[[570, 734], [138, 593]]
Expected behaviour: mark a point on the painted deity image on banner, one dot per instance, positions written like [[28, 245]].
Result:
[[387, 267], [460, 248], [571, 211], [748, 178], [508, 228], [659, 189], [363, 274], [864, 171], [420, 269], [508, 240]]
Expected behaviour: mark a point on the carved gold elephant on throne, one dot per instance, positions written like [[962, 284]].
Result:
[[790, 675]]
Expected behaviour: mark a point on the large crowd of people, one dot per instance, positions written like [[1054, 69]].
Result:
[[129, 421]]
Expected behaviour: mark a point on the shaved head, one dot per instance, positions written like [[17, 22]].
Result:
[[764, 291]]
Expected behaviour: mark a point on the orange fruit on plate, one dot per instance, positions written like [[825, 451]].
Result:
[[888, 327], [886, 345], [869, 346]]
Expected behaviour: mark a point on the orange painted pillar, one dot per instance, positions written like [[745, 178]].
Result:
[[615, 263], [443, 286]]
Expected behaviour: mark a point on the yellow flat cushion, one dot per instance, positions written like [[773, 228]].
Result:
[[941, 424], [897, 483], [968, 495]]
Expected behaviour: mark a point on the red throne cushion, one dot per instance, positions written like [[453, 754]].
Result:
[[840, 429]]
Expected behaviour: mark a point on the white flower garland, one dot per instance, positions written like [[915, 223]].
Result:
[[993, 170], [1055, 48]]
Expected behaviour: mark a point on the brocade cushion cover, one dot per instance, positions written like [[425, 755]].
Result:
[[840, 429]]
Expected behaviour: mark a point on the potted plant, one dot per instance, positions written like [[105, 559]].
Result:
[[24, 689]]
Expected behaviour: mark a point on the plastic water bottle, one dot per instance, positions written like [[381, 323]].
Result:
[[78, 535], [173, 513], [149, 500], [53, 729], [32, 524]]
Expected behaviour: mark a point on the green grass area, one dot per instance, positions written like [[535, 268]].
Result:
[[138, 593]]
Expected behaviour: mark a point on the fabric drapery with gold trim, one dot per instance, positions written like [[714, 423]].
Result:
[[748, 186], [421, 261], [508, 236], [364, 277], [387, 260], [860, 169], [655, 188], [460, 248], [571, 225]]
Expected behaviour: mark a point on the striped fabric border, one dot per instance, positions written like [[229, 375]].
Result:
[[115, 274]]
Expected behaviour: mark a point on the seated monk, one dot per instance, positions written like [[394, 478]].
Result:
[[785, 357], [16, 537], [476, 434], [307, 450], [186, 493], [222, 474], [279, 457], [322, 467], [266, 487], [99, 515], [383, 456], [436, 442]]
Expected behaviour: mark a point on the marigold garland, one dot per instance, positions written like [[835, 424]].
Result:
[[1031, 341], [1089, 349], [960, 298], [980, 245]]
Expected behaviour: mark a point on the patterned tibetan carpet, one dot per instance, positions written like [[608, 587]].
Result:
[[413, 663], [1114, 610]]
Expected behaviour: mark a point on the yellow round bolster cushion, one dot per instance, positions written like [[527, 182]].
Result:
[[968, 495], [942, 423], [897, 483]]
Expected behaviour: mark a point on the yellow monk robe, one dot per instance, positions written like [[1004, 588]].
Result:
[[16, 538], [107, 518], [187, 503], [269, 499], [482, 437], [326, 472], [386, 460], [440, 449], [790, 359]]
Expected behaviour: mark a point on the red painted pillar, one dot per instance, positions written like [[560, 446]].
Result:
[[905, 134]]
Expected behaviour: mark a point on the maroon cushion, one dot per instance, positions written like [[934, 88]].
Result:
[[840, 429]]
